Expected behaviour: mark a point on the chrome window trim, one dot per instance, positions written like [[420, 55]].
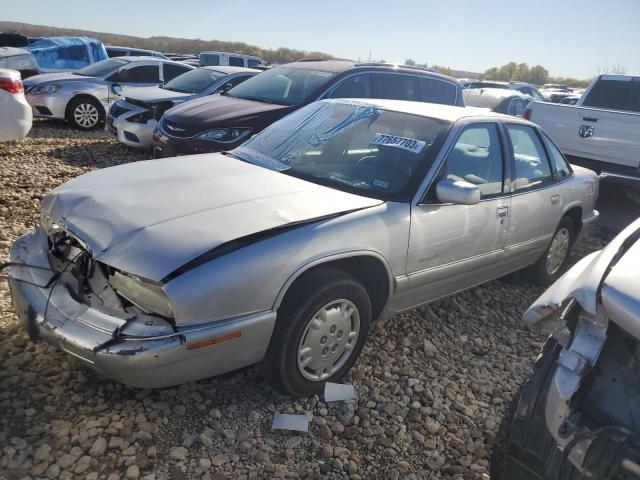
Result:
[[554, 177]]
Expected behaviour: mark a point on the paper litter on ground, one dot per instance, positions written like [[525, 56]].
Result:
[[284, 421], [334, 392]]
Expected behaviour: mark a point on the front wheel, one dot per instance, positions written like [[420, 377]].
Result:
[[321, 329], [85, 113]]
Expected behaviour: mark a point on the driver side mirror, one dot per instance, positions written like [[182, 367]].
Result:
[[458, 192]]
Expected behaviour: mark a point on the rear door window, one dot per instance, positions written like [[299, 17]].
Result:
[[209, 59], [236, 61], [357, 86], [433, 90], [171, 71], [141, 74], [615, 94], [531, 163], [394, 86]]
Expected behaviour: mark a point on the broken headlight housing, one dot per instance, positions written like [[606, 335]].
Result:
[[142, 117], [144, 294], [225, 135]]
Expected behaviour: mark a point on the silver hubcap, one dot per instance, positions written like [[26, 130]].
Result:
[[86, 115], [557, 251], [328, 340]]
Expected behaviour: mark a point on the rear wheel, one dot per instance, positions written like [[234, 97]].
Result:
[[549, 267], [85, 113], [319, 333]]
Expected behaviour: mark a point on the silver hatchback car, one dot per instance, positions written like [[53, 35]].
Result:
[[286, 249]]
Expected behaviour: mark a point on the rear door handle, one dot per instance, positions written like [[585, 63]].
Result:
[[502, 212], [590, 119]]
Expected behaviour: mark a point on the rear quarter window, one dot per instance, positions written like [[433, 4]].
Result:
[[437, 91]]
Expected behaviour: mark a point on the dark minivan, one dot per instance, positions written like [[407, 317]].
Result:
[[222, 122]]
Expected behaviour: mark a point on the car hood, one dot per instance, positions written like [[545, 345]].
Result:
[[153, 94], [608, 276], [56, 77], [211, 110], [150, 218]]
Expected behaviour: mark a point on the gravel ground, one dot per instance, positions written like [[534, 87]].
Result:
[[432, 384]]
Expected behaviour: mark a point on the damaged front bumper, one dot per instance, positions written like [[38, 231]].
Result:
[[133, 348]]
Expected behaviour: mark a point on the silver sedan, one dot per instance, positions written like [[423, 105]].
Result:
[[286, 249], [83, 97]]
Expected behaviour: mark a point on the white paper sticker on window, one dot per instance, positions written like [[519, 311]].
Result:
[[410, 144]]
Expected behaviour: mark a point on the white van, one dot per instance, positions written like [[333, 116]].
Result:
[[209, 59]]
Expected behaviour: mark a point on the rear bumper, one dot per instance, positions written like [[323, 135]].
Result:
[[15, 117], [94, 335], [610, 172], [588, 223]]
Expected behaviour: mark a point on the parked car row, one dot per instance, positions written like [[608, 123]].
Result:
[[133, 119], [83, 97]]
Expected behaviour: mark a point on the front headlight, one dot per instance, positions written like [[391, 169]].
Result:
[[225, 135], [44, 89], [144, 294]]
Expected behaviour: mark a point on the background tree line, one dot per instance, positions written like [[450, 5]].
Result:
[[166, 44]]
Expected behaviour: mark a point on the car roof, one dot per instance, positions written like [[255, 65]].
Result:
[[450, 113], [495, 92], [340, 66], [227, 69]]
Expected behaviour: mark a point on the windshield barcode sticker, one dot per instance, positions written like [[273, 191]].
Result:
[[410, 144]]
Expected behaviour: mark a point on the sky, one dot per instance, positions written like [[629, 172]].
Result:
[[576, 38]]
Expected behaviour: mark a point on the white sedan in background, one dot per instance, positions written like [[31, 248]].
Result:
[[15, 112]]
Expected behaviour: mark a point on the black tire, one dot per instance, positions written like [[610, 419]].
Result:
[[85, 104], [523, 445], [541, 274], [306, 297]]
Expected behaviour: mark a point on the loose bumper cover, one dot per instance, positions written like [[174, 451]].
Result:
[[97, 336]]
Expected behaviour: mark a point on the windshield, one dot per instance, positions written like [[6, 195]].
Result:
[[350, 146], [282, 85], [102, 68], [194, 81]]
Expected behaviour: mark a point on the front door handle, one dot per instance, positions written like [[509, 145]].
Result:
[[502, 212]]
